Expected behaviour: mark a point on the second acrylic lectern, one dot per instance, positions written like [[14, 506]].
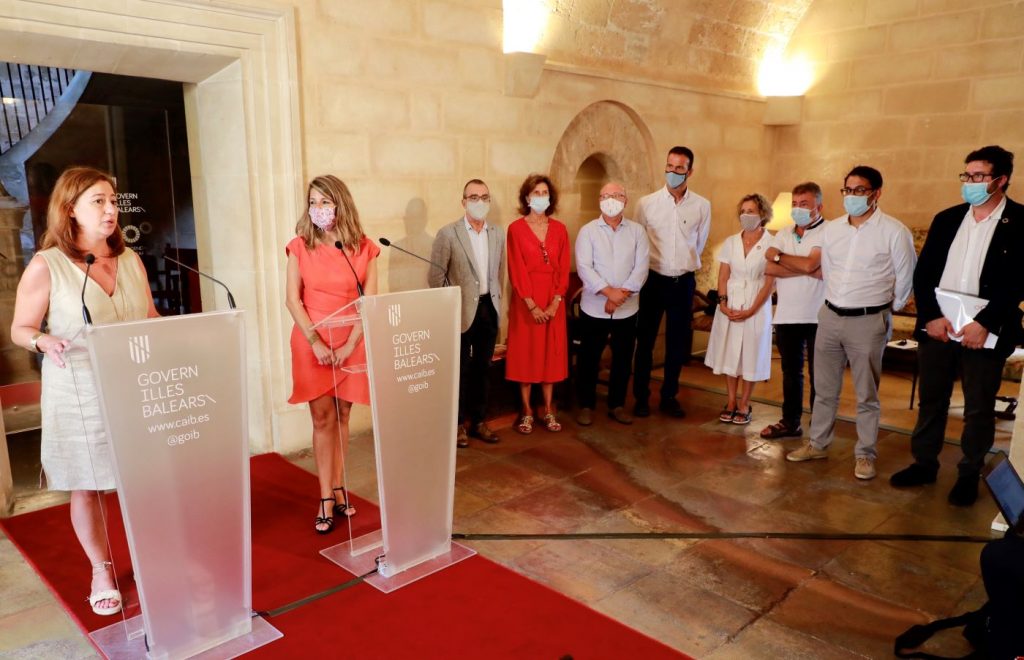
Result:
[[412, 353]]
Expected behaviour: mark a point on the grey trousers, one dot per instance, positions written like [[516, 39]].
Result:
[[859, 340]]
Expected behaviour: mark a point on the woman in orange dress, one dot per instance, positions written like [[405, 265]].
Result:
[[538, 268], [321, 279]]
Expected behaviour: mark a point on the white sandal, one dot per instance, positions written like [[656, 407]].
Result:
[[106, 594]]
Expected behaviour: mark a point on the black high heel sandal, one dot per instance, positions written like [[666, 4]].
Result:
[[345, 509], [323, 519]]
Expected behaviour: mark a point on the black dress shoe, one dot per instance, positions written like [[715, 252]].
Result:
[[915, 475], [672, 408], [642, 409], [482, 432], [965, 491]]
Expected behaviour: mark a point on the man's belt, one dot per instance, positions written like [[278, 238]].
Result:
[[857, 311]]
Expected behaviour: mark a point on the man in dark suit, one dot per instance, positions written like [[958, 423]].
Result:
[[975, 249]]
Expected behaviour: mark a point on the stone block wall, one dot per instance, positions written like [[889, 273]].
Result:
[[910, 87]]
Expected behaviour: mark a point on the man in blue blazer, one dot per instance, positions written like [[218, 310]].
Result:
[[976, 248]]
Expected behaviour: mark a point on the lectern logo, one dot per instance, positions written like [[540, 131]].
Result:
[[138, 348], [394, 315]]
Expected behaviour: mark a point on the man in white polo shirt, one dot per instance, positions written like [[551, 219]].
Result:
[[677, 221], [795, 261], [612, 262], [867, 260]]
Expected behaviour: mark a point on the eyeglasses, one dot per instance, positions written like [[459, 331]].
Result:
[[975, 177], [478, 198], [619, 196], [859, 191]]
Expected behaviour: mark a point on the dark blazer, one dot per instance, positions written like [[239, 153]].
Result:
[[1002, 274]]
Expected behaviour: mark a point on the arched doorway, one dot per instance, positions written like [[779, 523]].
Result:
[[606, 141]]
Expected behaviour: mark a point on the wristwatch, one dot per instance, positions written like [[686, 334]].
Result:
[[778, 257]]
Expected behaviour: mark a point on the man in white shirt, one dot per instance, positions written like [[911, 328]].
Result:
[[612, 261], [472, 252], [795, 261], [867, 260], [977, 249], [677, 221]]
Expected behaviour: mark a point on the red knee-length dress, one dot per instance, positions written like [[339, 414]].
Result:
[[327, 284], [537, 352]]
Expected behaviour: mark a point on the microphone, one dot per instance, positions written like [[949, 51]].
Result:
[[231, 298], [90, 259], [359, 285], [386, 243]]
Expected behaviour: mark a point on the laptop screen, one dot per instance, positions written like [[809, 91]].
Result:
[[1008, 491]]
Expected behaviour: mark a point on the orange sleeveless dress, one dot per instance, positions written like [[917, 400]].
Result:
[[327, 284]]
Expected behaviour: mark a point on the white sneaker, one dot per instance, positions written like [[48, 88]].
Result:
[[865, 468]]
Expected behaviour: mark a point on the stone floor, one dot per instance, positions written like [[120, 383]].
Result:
[[709, 597]]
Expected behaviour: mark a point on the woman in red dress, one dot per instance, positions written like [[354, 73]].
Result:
[[538, 268], [321, 280]]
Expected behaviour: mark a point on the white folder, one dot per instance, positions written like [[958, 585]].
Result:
[[961, 309]]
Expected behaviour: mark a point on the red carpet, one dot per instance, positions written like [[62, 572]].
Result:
[[474, 608]]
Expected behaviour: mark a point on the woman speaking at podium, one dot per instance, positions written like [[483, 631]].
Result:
[[83, 263], [330, 264]]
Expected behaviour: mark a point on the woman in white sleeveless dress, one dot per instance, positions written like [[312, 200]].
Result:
[[81, 220], [741, 335]]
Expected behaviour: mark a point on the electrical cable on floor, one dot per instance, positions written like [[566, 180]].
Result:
[[267, 614], [793, 536]]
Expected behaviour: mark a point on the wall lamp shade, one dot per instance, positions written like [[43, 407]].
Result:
[[522, 74]]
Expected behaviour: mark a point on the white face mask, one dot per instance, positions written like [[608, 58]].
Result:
[[750, 221], [540, 204], [478, 210], [612, 207]]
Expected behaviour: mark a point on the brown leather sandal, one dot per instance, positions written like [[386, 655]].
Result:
[[781, 430]]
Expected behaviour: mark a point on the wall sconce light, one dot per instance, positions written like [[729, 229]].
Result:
[[780, 211], [784, 80], [522, 74]]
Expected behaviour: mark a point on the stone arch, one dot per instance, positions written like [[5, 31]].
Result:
[[608, 136]]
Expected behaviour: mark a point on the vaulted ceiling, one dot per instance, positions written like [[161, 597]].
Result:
[[716, 44]]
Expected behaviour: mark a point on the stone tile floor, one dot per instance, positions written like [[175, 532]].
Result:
[[710, 597]]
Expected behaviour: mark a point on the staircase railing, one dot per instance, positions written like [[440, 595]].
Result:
[[29, 92]]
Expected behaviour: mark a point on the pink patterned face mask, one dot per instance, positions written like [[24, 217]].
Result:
[[322, 216]]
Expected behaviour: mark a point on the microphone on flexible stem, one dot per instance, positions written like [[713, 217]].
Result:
[[386, 243], [359, 285], [90, 259], [231, 298]]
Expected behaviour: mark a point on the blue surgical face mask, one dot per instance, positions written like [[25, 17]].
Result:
[[540, 204], [674, 180], [801, 217], [855, 205], [975, 194]]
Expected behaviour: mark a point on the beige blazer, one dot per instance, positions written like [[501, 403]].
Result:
[[453, 251]]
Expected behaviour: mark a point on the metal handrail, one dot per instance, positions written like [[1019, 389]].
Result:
[[29, 93]]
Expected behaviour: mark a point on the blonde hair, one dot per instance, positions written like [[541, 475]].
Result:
[[764, 207], [346, 216], [61, 228]]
